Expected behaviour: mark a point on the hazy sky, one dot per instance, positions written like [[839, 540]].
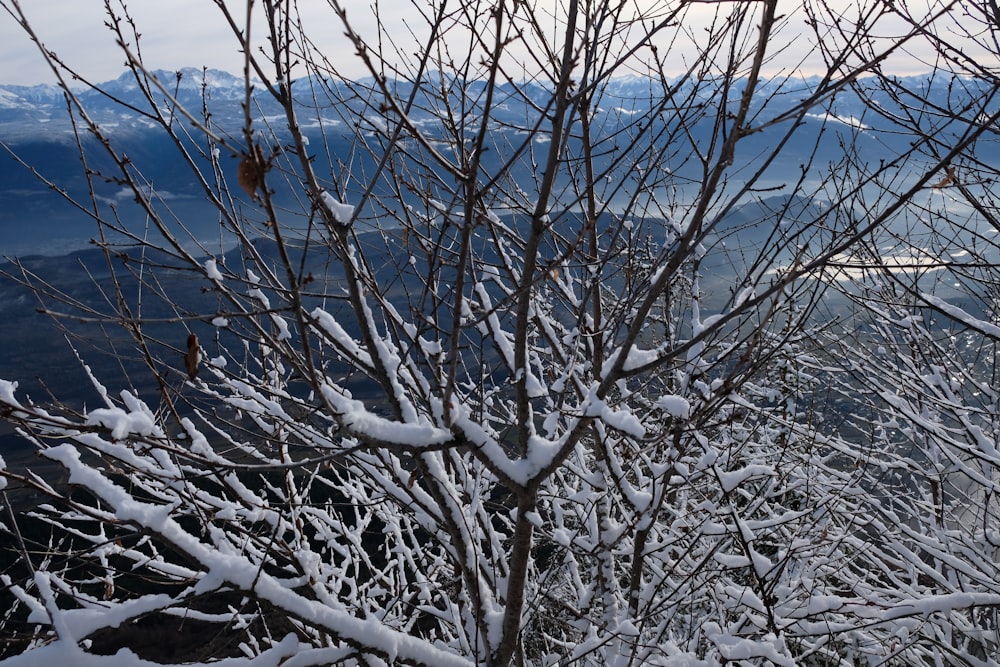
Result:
[[181, 33], [175, 33]]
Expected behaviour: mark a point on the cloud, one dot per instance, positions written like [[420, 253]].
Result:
[[175, 34], [193, 33]]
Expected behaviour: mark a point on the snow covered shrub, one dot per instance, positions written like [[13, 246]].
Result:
[[502, 354]]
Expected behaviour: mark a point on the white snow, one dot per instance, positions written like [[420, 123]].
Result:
[[342, 213], [638, 357], [282, 327], [623, 420], [256, 293], [733, 478], [541, 453], [704, 325], [965, 318], [734, 648], [675, 406], [850, 121], [745, 295], [7, 389], [212, 270], [328, 324], [139, 420], [365, 424], [942, 603]]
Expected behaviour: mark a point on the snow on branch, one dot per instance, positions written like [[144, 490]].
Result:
[[232, 568], [343, 214], [368, 426], [956, 313]]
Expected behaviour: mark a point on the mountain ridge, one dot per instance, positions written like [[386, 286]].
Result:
[[35, 129]]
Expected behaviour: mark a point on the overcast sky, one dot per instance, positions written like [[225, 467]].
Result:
[[182, 33], [175, 33]]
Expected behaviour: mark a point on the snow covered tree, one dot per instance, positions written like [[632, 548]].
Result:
[[521, 349], [920, 369]]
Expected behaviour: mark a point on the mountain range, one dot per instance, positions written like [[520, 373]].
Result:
[[35, 130]]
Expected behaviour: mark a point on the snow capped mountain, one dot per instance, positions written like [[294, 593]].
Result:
[[21, 107], [24, 97], [187, 80], [29, 96]]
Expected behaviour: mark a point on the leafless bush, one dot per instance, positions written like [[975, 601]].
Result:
[[458, 384]]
